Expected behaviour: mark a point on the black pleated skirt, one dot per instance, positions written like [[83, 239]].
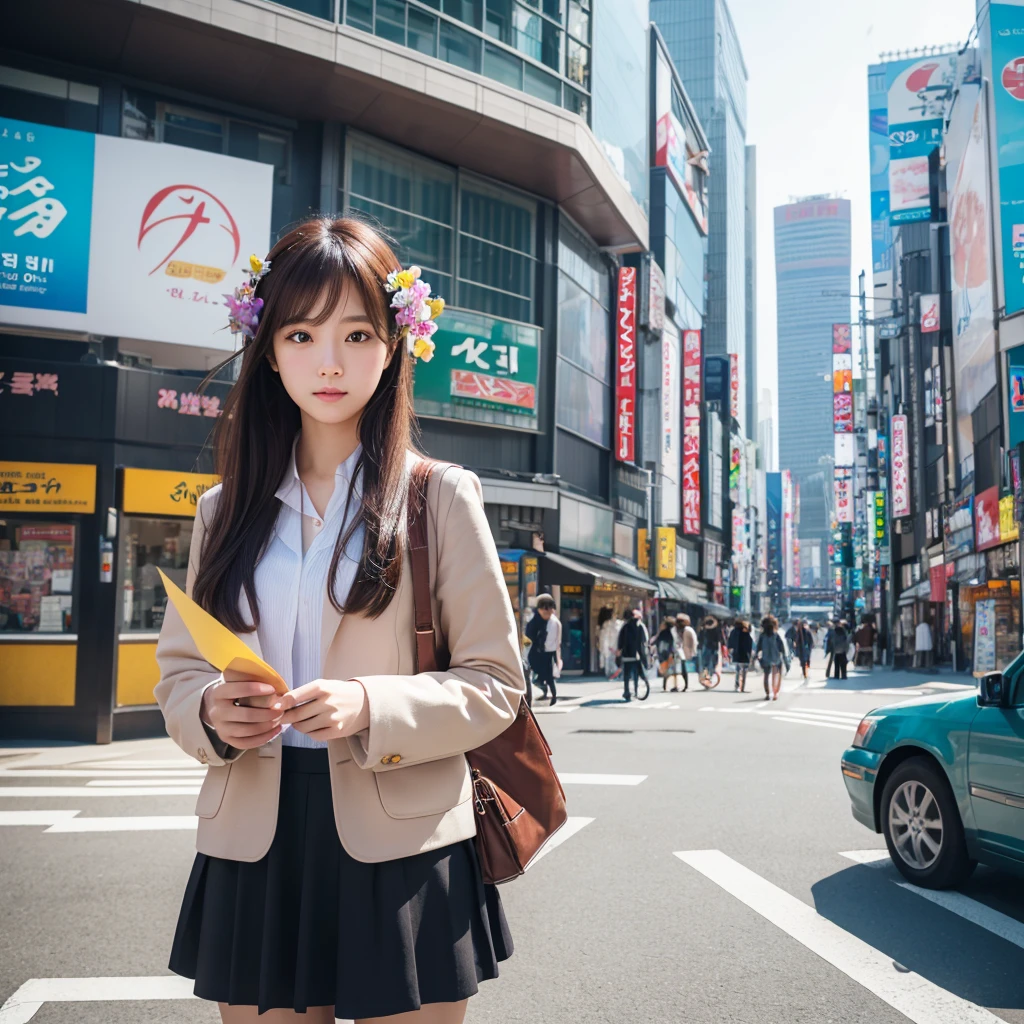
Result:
[[309, 926]]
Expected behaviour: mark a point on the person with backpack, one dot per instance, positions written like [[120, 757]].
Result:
[[772, 655], [665, 652], [741, 649], [801, 643], [632, 649]]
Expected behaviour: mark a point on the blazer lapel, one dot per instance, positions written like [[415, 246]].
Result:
[[330, 623]]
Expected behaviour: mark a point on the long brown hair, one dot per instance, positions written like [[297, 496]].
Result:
[[253, 438]]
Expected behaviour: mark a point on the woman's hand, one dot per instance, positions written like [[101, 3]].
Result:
[[242, 726], [336, 708]]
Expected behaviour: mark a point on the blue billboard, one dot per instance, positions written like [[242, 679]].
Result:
[[773, 508], [46, 179], [1008, 93]]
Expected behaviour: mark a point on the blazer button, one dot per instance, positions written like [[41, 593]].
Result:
[[203, 756], [395, 758]]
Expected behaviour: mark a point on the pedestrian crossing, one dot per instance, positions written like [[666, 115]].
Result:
[[918, 998]]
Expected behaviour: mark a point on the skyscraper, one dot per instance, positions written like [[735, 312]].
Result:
[[750, 246], [706, 51], [812, 281]]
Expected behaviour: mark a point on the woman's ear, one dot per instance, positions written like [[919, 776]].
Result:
[[272, 360]]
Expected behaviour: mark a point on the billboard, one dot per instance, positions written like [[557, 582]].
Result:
[[734, 385], [691, 431], [970, 243], [844, 449], [671, 393], [900, 468], [625, 366], [843, 482], [788, 529], [986, 519], [842, 339], [125, 238], [1007, 22], [773, 508]]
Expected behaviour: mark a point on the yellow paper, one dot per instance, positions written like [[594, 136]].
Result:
[[217, 644]]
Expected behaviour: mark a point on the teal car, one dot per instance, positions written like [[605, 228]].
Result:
[[943, 779]]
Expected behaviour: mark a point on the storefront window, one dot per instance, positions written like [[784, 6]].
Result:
[[37, 563], [146, 545]]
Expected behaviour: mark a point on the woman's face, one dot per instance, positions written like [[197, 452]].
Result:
[[331, 370]]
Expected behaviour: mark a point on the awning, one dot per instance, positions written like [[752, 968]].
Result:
[[919, 592], [560, 569], [681, 590]]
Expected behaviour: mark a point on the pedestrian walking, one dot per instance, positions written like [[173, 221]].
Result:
[[830, 654], [923, 644], [632, 649], [686, 645], [546, 646], [840, 647], [709, 641], [865, 641], [608, 640], [336, 872], [801, 644], [741, 649], [771, 655], [665, 652]]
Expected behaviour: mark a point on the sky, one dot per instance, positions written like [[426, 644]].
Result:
[[807, 111]]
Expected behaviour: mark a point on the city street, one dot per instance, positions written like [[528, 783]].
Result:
[[710, 872]]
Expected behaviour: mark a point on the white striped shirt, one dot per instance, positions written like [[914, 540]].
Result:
[[291, 578]]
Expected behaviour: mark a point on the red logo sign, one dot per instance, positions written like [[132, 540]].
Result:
[[188, 204], [1013, 78], [901, 470], [625, 377], [691, 432], [986, 519]]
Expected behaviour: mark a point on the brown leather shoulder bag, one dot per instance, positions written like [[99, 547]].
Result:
[[519, 801]]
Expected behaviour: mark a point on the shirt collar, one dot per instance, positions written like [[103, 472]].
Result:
[[291, 490]]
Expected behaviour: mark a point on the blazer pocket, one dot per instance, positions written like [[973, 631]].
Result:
[[212, 793], [431, 787]]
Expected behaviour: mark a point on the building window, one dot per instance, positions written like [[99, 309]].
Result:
[[148, 545], [37, 563], [42, 99]]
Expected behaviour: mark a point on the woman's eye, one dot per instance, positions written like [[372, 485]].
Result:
[[300, 336], [358, 336]]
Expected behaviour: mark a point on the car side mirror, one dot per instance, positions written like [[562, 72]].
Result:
[[993, 691]]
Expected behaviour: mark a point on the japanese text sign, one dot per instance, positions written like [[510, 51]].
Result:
[[986, 519], [734, 385], [900, 468], [484, 370], [47, 487], [691, 431], [625, 366], [165, 492]]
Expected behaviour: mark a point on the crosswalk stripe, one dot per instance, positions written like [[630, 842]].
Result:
[[141, 783], [811, 721], [830, 713], [77, 791], [75, 773], [567, 831], [582, 779], [35, 817], [850, 723], [993, 921], [869, 858], [129, 823], [915, 997]]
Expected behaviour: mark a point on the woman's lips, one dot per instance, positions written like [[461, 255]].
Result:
[[330, 394]]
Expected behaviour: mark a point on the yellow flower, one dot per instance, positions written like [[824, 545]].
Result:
[[436, 307], [256, 263], [404, 279], [423, 349]]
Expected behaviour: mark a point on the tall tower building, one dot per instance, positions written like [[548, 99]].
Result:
[[750, 246], [812, 282], [706, 51]]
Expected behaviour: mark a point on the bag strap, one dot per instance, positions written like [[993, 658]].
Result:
[[419, 564]]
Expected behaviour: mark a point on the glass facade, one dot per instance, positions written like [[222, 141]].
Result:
[[37, 561], [812, 257], [584, 390], [681, 251], [620, 90], [542, 47], [475, 241], [705, 49]]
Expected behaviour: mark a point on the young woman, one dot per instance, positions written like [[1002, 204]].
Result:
[[665, 652], [710, 639], [801, 644], [336, 874], [686, 646], [771, 653], [741, 649]]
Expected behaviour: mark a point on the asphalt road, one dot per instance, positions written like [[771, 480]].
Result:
[[705, 876]]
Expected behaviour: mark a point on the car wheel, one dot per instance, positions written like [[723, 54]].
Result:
[[922, 826]]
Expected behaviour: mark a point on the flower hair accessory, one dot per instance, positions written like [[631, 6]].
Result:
[[417, 310], [243, 307]]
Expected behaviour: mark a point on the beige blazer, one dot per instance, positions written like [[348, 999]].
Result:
[[403, 785]]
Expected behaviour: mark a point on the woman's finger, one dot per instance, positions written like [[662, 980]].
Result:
[[246, 714], [243, 730]]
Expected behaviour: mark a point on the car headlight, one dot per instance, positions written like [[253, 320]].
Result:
[[865, 730]]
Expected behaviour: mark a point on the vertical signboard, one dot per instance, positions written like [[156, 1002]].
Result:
[[670, 425], [984, 636], [986, 519], [691, 432], [625, 370], [773, 508], [1008, 95], [900, 468], [787, 527], [844, 494], [928, 306], [665, 567], [734, 385]]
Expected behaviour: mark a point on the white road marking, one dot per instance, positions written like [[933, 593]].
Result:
[[129, 823], [907, 992], [812, 721], [870, 858], [567, 831], [829, 713], [141, 783], [1006, 927], [580, 779], [77, 791], [951, 686], [30, 997], [76, 773], [35, 817], [898, 690], [806, 716]]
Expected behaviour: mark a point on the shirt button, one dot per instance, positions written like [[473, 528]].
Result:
[[316, 522]]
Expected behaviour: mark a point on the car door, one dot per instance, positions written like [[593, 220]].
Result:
[[995, 772]]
